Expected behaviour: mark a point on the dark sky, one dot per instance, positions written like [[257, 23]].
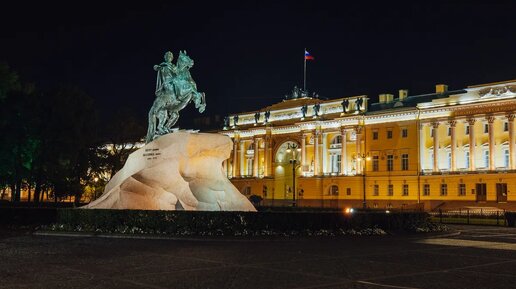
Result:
[[249, 55]]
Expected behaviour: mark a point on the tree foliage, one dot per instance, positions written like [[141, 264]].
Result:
[[52, 141]]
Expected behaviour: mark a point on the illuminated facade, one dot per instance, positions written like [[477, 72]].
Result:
[[432, 150]]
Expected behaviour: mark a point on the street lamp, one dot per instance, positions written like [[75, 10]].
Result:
[[293, 149], [365, 158]]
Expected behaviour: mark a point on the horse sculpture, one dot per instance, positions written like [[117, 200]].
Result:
[[175, 89]]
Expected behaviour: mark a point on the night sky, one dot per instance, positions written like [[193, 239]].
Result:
[[248, 56]]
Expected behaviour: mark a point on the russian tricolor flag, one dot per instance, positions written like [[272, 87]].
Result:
[[308, 56]]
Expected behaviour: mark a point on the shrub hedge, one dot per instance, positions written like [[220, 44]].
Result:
[[27, 216], [232, 223], [511, 218]]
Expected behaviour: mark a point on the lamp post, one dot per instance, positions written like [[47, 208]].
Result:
[[293, 149], [365, 158]]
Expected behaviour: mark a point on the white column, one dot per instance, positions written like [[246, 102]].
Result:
[[303, 152], [435, 125], [452, 124], [512, 163], [492, 154], [472, 144], [324, 153], [265, 158], [422, 146], [316, 153], [236, 171], [269, 152], [358, 145], [256, 157], [343, 152], [242, 159]]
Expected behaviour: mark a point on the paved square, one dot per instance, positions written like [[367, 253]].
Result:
[[478, 257]]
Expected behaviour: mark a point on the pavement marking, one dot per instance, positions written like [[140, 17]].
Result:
[[439, 271], [492, 235], [470, 243], [385, 285]]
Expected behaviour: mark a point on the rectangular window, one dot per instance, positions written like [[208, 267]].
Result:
[[467, 130], [390, 190], [375, 163], [404, 132], [404, 162], [466, 158], [376, 191], [505, 126], [405, 190], [389, 134], [449, 160], [426, 190], [449, 131], [390, 162], [375, 135], [444, 189], [486, 128], [462, 189], [506, 158], [348, 191], [432, 132], [486, 158]]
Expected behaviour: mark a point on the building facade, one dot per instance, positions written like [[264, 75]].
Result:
[[443, 149]]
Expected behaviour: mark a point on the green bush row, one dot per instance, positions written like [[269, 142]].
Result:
[[511, 219], [232, 223]]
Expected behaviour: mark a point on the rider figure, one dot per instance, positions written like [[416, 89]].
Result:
[[166, 74]]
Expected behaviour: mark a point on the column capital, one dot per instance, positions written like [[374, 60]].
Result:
[[435, 124], [490, 119], [358, 129], [452, 122], [510, 116], [471, 120]]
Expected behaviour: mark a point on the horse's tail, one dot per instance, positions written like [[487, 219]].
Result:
[[152, 126]]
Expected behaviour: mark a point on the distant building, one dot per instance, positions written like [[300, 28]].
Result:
[[446, 148]]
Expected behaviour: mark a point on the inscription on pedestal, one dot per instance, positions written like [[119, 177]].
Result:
[[151, 154]]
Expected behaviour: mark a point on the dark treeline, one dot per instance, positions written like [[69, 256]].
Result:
[[53, 141]]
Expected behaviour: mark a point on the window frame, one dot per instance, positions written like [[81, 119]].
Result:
[[443, 190]]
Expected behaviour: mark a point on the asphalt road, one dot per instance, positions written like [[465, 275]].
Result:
[[475, 257]]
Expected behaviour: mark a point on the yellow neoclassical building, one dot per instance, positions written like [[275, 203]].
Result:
[[442, 149]]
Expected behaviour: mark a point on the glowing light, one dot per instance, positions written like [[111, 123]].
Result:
[[349, 211], [387, 212]]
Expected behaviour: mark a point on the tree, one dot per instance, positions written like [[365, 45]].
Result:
[[123, 133], [17, 146]]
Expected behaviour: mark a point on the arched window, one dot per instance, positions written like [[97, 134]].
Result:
[[337, 140]]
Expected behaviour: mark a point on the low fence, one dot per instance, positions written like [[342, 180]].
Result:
[[472, 216]]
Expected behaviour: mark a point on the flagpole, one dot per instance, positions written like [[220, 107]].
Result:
[[304, 75]]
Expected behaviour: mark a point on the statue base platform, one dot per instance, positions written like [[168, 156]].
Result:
[[177, 171]]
